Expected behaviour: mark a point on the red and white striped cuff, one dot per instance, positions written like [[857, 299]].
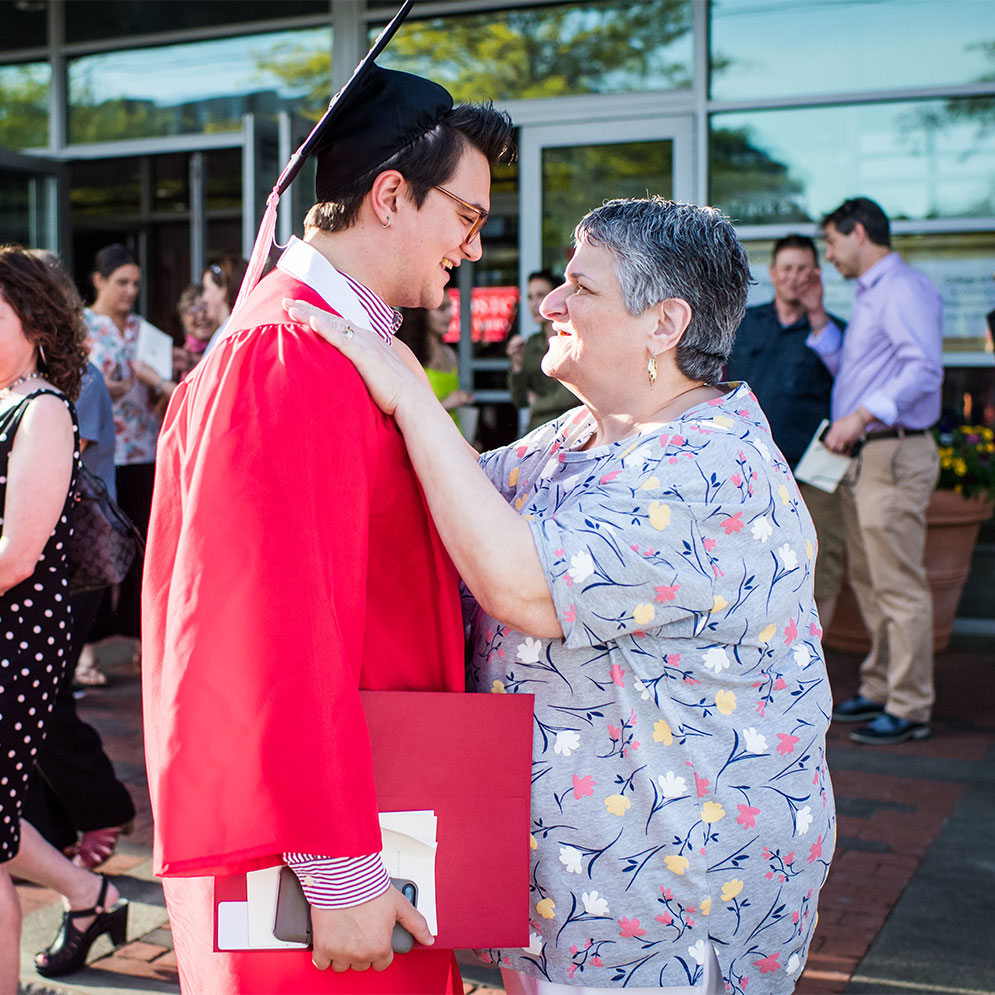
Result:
[[339, 882]]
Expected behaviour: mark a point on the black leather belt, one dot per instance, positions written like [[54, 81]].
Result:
[[894, 433]]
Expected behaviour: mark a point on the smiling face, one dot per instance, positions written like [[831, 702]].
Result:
[[597, 347], [15, 347], [434, 236], [116, 293], [791, 273]]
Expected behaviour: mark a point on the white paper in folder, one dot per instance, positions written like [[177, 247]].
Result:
[[821, 467]]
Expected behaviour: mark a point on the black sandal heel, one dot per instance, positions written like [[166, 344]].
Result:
[[69, 949]]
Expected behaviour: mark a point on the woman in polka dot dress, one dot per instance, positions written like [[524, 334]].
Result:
[[41, 363]]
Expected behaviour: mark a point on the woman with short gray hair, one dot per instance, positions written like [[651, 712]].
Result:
[[643, 566]]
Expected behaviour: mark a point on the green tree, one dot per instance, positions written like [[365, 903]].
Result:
[[24, 94]]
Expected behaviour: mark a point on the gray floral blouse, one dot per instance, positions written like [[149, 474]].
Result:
[[680, 790]]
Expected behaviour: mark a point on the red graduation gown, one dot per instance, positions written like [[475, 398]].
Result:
[[291, 561]]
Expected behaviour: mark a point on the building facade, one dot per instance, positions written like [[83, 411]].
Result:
[[163, 123]]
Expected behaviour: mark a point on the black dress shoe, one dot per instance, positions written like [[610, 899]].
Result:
[[888, 729], [857, 709]]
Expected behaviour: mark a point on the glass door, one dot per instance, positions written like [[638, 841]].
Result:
[[568, 169], [30, 201]]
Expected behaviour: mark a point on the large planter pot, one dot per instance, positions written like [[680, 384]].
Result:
[[952, 524]]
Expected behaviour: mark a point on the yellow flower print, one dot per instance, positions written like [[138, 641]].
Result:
[[731, 889], [767, 634], [533, 842], [723, 421], [718, 603], [678, 865], [705, 905], [782, 492], [809, 549], [519, 502], [725, 701], [662, 733], [513, 477], [659, 515], [497, 687], [649, 484], [545, 908], [617, 804], [712, 812], [643, 614]]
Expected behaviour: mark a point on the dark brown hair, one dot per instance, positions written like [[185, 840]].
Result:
[[227, 273], [51, 314]]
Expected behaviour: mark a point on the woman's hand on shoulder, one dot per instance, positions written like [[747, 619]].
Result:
[[386, 370]]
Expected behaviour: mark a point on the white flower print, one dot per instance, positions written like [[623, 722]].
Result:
[[792, 965], [697, 951], [801, 655], [716, 659], [570, 858], [535, 944], [762, 529], [529, 650], [566, 742], [789, 559], [672, 786], [581, 566], [594, 904], [762, 449], [756, 742], [644, 691], [803, 819]]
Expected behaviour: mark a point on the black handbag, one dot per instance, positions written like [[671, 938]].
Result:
[[104, 542]]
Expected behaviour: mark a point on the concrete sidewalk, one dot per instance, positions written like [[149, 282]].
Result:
[[907, 908]]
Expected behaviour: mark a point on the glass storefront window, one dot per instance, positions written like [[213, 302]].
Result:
[[24, 25], [24, 91], [605, 46], [97, 20], [200, 86], [777, 48], [918, 159]]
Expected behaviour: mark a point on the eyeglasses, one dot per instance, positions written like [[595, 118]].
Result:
[[480, 217]]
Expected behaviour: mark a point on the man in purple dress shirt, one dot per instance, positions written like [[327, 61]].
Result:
[[888, 372]]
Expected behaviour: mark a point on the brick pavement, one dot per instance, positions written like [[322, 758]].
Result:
[[893, 803]]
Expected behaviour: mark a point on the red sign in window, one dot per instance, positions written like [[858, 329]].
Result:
[[491, 312]]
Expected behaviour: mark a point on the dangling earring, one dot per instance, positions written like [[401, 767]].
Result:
[[651, 370], [385, 224], [41, 352]]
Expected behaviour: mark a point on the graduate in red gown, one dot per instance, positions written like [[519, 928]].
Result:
[[291, 562]]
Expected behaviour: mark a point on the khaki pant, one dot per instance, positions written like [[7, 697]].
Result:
[[884, 497], [827, 517]]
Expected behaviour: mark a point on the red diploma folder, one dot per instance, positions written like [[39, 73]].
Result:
[[468, 757]]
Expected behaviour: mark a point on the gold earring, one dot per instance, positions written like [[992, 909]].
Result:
[[651, 370]]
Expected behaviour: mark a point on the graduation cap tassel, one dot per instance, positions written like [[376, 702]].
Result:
[[260, 250]]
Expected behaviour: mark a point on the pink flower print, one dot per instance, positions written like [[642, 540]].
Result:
[[762, 708], [790, 858], [614, 731], [744, 981], [701, 785], [794, 917], [815, 851], [630, 927], [747, 816], [571, 970], [677, 440], [583, 786], [736, 480], [787, 744], [555, 448], [596, 961], [673, 459], [766, 853], [790, 633], [666, 892], [666, 592], [617, 674], [570, 615], [609, 477], [814, 630], [573, 950], [664, 439], [673, 659], [709, 544], [743, 413], [557, 552], [521, 451], [769, 875], [780, 684], [634, 547], [732, 524], [769, 964], [690, 921]]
